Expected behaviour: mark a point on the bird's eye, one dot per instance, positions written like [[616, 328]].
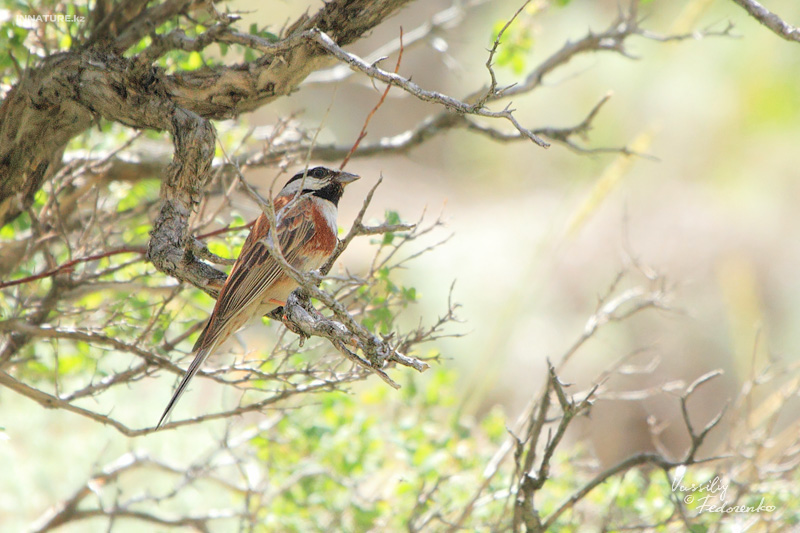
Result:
[[318, 172]]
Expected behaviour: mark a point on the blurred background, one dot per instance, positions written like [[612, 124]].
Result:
[[538, 236]]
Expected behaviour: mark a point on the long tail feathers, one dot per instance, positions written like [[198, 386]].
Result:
[[193, 368]]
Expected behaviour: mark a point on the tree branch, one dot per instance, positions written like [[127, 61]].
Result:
[[776, 24], [65, 93], [410, 87]]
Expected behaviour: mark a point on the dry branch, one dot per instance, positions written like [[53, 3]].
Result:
[[774, 22], [63, 94]]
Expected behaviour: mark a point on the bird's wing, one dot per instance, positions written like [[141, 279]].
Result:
[[251, 276], [255, 269]]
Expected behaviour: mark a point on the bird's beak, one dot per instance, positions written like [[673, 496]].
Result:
[[345, 177]]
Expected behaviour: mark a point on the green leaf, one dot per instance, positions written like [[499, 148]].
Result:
[[65, 42], [141, 192], [193, 62], [271, 37], [392, 217], [7, 232], [220, 249]]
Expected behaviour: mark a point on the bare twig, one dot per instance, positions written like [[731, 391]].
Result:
[[412, 88], [491, 91], [363, 132], [70, 265]]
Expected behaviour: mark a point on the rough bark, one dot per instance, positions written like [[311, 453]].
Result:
[[66, 92]]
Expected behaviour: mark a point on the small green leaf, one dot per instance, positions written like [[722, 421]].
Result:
[[193, 62], [410, 293], [271, 37], [392, 217]]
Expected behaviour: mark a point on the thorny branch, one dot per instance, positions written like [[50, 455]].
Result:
[[530, 425], [533, 479], [655, 459], [612, 39], [426, 33], [539, 431], [492, 92], [407, 85]]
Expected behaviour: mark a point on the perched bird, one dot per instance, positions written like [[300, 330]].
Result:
[[305, 212]]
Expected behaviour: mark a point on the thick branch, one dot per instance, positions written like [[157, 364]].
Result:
[[181, 190], [61, 96]]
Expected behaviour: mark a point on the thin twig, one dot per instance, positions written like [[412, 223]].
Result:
[[363, 132], [407, 85], [68, 266]]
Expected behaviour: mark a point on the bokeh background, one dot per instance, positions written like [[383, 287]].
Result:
[[538, 235]]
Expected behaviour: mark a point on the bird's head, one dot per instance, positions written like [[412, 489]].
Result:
[[323, 182]]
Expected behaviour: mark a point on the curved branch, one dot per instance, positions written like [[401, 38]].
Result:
[[181, 190], [410, 87], [61, 96]]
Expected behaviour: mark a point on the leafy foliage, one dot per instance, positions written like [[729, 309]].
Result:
[[516, 43]]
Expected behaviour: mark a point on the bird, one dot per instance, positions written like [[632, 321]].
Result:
[[305, 214]]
